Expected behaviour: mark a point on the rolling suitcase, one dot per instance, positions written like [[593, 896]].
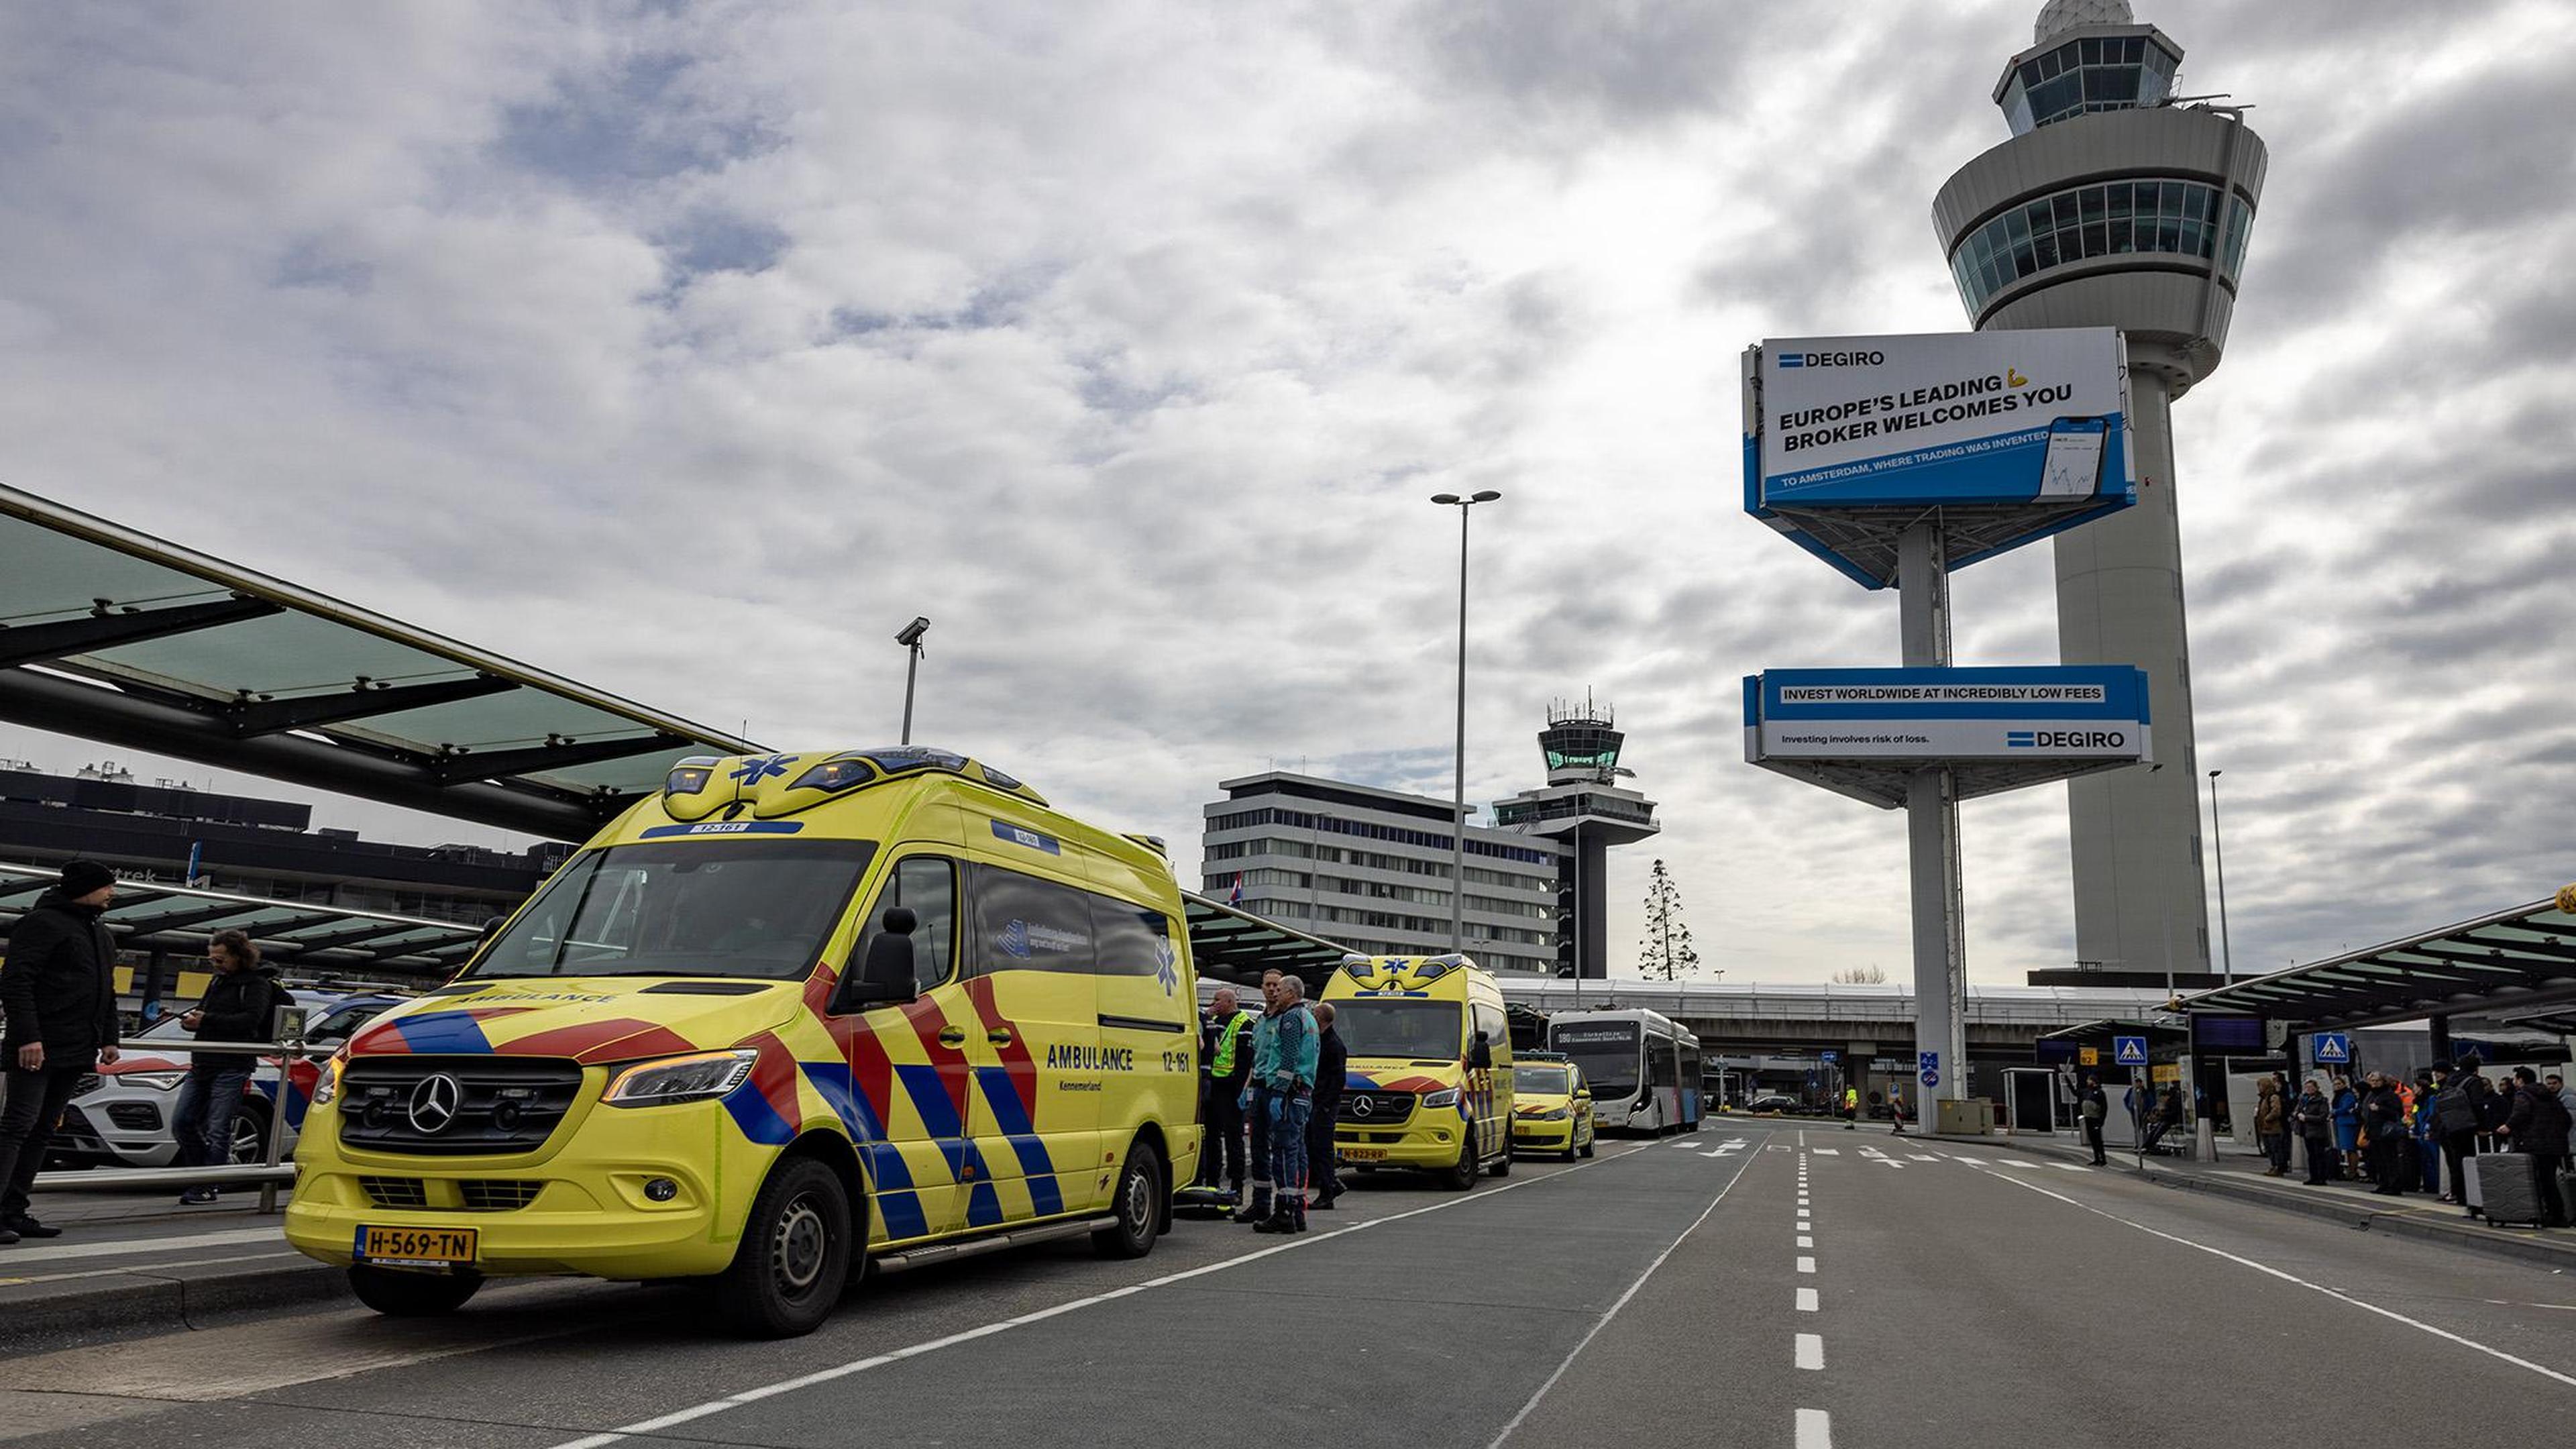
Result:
[[2505, 1187]]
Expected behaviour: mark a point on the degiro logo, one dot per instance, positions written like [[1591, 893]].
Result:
[[1833, 359], [2065, 739]]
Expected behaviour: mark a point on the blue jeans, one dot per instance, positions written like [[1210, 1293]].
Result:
[[203, 1125], [1288, 1151]]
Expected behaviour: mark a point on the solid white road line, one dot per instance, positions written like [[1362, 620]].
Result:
[[148, 1268], [1815, 1429], [1806, 1265], [2272, 1272], [859, 1366], [1612, 1311], [1811, 1350], [1807, 1300], [58, 1252]]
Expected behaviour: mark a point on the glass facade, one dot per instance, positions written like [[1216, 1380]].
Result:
[[2177, 218], [2101, 73]]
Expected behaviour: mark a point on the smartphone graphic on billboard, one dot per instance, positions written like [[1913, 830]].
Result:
[[2073, 468]]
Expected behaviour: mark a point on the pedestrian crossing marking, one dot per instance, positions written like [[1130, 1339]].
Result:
[[2017, 1162], [1686, 1144], [2066, 1166], [1826, 1151], [1923, 1157], [1971, 1161]]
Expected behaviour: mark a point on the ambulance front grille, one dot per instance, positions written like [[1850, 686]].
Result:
[[396, 1192], [1375, 1109], [486, 1105], [497, 1194]]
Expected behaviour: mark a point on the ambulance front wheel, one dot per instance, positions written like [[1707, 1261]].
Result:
[[1138, 1206], [795, 1255], [400, 1293]]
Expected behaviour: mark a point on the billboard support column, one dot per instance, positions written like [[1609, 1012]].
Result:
[[1932, 829]]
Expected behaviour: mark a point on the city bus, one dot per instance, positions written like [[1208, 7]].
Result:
[[1643, 1066]]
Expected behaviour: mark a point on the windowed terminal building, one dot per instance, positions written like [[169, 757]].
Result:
[[1370, 867]]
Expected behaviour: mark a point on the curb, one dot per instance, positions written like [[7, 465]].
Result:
[[2464, 1234], [145, 1302]]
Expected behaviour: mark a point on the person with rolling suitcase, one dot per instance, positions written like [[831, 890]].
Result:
[[2536, 1128]]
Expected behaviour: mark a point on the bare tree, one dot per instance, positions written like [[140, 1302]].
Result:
[[1666, 953], [1861, 975]]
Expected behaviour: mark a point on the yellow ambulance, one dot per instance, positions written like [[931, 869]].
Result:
[[794, 1014], [1430, 1082]]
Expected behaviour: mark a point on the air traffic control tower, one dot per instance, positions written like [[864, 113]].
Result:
[[2113, 205], [1583, 806]]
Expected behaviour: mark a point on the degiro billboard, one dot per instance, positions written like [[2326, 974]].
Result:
[[2068, 711], [2029, 417]]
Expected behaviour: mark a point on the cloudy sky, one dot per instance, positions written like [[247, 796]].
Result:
[[689, 350]]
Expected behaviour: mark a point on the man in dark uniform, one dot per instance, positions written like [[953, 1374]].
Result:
[[58, 987], [1332, 1071]]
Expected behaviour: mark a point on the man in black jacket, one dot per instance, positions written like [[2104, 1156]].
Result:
[[240, 1005], [1332, 1072], [58, 987], [2538, 1127], [2383, 1119]]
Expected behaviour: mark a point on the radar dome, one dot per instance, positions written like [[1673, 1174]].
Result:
[[2059, 16]]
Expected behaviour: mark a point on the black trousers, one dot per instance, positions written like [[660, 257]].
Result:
[[2458, 1148], [36, 1102], [2093, 1138], [1223, 1150], [2553, 1210], [2381, 1154], [1319, 1151]]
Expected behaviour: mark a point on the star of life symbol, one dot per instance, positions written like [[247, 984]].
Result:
[[752, 772], [1166, 965]]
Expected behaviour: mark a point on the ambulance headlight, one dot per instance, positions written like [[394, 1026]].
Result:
[[697, 1077], [328, 1086], [1445, 1097]]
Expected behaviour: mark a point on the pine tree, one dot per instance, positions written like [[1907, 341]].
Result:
[[1666, 954]]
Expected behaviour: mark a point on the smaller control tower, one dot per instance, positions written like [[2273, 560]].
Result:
[[1583, 807]]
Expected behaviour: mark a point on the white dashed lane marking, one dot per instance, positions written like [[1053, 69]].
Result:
[[1811, 1351], [1815, 1429], [1806, 1265], [1807, 1300]]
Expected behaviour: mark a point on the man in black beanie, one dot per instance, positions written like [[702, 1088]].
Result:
[[58, 986]]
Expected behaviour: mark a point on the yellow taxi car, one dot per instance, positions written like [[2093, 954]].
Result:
[[792, 1016], [1551, 1106]]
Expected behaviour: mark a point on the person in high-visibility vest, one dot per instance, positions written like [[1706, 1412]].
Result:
[[1225, 1064], [1851, 1109]]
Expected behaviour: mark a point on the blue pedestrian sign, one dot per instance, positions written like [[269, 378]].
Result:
[[1829, 1057], [1931, 1068], [2129, 1051], [2334, 1048]]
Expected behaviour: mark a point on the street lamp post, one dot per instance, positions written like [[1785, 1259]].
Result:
[[1458, 791], [2218, 852], [910, 638]]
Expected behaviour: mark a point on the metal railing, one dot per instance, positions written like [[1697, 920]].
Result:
[[271, 1171]]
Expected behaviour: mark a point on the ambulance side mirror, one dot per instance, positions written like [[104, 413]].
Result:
[[885, 973]]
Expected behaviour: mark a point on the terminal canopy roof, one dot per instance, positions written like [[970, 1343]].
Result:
[[149, 916], [1229, 944], [119, 637], [2513, 961]]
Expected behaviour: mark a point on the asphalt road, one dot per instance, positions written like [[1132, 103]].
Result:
[[1752, 1284]]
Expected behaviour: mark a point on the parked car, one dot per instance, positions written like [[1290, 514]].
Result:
[[1773, 1102], [121, 1114]]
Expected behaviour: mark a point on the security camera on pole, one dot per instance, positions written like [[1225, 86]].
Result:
[[1897, 459]]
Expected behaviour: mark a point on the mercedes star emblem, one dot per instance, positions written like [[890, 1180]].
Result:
[[1363, 1107], [434, 1103]]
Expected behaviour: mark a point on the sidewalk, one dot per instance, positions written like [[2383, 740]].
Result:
[[134, 1263], [2240, 1174]]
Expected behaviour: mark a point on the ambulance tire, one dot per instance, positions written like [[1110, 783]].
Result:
[[1502, 1166], [1463, 1176], [396, 1293], [1138, 1206], [787, 1276]]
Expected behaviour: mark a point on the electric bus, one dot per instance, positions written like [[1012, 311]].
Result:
[[1644, 1067]]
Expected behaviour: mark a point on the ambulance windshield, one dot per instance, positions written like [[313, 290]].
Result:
[[1426, 1030], [730, 907]]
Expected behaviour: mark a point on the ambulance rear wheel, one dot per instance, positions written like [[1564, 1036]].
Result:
[[1138, 1206], [397, 1293], [1502, 1166], [795, 1255]]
